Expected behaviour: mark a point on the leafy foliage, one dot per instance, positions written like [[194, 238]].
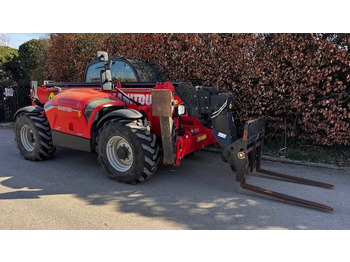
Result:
[[70, 53], [33, 56], [300, 82], [26, 64], [7, 56]]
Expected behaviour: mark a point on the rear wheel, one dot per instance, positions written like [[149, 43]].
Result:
[[128, 152], [33, 137]]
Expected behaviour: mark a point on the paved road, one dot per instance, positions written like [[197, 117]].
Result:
[[72, 192]]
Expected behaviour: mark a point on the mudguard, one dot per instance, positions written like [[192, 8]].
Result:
[[120, 113], [33, 110]]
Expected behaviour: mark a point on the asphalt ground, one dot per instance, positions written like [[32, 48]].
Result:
[[71, 191]]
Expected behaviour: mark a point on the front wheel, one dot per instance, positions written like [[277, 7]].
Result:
[[128, 152]]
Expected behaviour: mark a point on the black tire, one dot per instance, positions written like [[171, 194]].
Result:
[[128, 152], [33, 137]]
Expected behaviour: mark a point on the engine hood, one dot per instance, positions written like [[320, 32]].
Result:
[[76, 99]]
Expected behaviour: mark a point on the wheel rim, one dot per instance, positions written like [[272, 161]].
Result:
[[27, 138], [124, 163]]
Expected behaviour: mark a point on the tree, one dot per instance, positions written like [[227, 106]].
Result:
[[32, 59], [7, 56], [4, 40]]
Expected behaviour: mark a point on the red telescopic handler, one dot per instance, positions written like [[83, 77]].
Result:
[[132, 119]]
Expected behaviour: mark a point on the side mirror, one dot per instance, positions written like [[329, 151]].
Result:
[[102, 56]]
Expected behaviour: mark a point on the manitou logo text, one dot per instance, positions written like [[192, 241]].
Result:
[[140, 98]]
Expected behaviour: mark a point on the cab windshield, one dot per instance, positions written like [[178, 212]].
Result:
[[122, 71]]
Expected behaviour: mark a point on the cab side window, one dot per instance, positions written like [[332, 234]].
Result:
[[93, 73]]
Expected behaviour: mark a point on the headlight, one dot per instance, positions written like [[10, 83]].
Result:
[[181, 110]]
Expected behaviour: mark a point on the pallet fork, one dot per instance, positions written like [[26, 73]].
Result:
[[244, 155]]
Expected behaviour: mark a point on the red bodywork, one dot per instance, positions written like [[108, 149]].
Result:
[[65, 112]]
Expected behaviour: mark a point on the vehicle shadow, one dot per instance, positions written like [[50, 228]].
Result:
[[198, 195]]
